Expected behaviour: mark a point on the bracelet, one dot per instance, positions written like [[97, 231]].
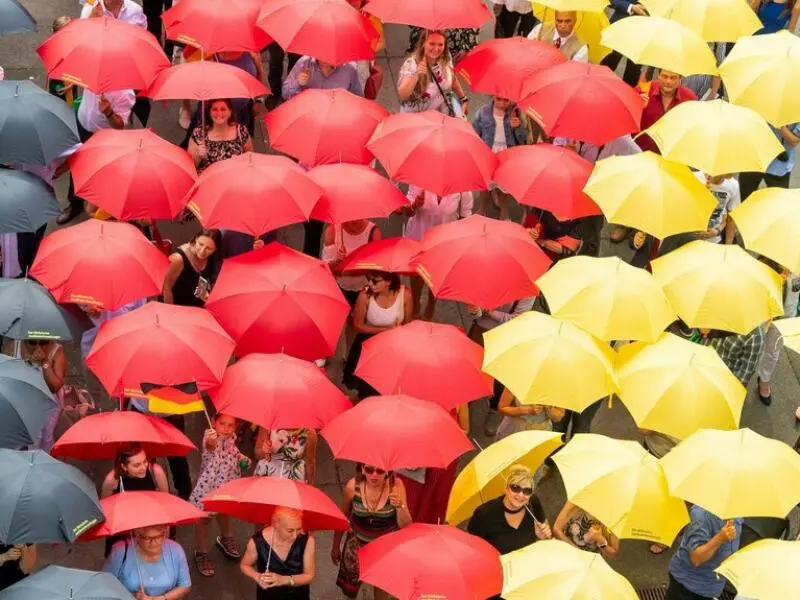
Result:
[[463, 99], [291, 581], [601, 546]]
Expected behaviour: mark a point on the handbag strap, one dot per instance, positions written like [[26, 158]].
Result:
[[450, 110]]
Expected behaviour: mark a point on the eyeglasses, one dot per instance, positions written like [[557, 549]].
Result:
[[151, 538], [374, 471], [38, 342], [518, 489]]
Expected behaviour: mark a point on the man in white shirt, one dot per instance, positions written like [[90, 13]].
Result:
[[124, 10], [562, 35]]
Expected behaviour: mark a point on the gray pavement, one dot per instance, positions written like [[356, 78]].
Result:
[[18, 57]]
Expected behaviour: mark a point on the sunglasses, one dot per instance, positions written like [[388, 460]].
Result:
[[374, 471], [374, 280], [38, 342], [518, 489]]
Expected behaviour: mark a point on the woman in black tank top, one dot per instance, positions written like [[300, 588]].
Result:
[[190, 270]]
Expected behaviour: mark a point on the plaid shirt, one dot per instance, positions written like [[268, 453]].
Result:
[[740, 353]]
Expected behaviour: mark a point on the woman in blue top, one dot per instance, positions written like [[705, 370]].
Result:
[[776, 15], [160, 561]]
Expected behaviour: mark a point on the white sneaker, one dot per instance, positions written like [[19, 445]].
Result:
[[184, 118]]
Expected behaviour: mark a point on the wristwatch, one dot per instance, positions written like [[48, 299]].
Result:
[[291, 581]]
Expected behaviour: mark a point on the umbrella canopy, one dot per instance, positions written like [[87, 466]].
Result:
[[719, 470], [583, 102], [102, 264], [103, 54], [433, 151], [708, 135], [657, 196], [790, 330], [35, 127], [557, 570], [276, 299], [482, 478], [127, 511], [676, 387], [329, 30], [43, 500], [548, 177], [392, 255], [102, 435], [481, 261], [254, 499], [431, 14], [204, 80], [29, 312], [607, 297], [26, 202], [715, 286], [766, 569], [15, 18], [277, 391], [55, 583], [132, 174], [500, 66], [661, 43], [713, 20], [353, 192], [325, 127], [536, 357], [397, 432], [432, 561], [623, 486], [25, 403], [253, 193]]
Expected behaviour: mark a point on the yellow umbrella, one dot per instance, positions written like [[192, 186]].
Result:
[[556, 570], [482, 479], [660, 43], [766, 569], [790, 330], [607, 297], [718, 286], [757, 74], [576, 5], [735, 473], [588, 28], [622, 485], [542, 360], [657, 196], [769, 223], [676, 387], [713, 20], [716, 137]]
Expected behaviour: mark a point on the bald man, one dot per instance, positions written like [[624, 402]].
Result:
[[561, 34]]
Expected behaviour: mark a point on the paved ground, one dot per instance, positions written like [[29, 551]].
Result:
[[18, 57]]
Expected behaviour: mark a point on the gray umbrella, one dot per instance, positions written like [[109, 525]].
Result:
[[43, 500], [59, 583], [29, 312], [26, 202], [25, 403], [35, 127], [15, 18]]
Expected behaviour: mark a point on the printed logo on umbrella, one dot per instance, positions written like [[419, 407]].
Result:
[[70, 78], [84, 526], [83, 299], [192, 206]]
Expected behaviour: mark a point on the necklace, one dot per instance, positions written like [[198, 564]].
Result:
[[366, 502], [512, 512]]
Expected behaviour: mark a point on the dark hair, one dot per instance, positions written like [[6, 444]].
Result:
[[209, 103], [124, 454], [392, 278], [213, 234]]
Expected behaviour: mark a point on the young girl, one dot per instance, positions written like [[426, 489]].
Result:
[[218, 465]]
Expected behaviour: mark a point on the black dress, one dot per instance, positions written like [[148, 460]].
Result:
[[187, 282], [489, 523], [293, 565], [10, 572]]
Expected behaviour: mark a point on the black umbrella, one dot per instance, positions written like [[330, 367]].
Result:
[[15, 18], [29, 312], [26, 202], [35, 127], [25, 403], [43, 500], [60, 583]]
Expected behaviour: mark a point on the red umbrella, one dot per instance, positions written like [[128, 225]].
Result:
[[430, 361], [499, 66], [204, 80], [481, 261], [330, 30], [548, 177], [325, 126], [353, 192], [253, 193], [103, 54], [397, 432], [431, 14], [216, 25], [132, 174], [276, 299], [432, 561], [582, 101], [128, 511], [101, 435], [160, 343], [254, 499], [107, 265], [277, 391], [433, 151], [392, 255]]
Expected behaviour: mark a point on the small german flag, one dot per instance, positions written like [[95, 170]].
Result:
[[173, 399]]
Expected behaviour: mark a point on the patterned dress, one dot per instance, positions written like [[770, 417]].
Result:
[[217, 467], [459, 41], [288, 455], [221, 150]]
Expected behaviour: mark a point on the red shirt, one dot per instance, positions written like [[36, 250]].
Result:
[[655, 110]]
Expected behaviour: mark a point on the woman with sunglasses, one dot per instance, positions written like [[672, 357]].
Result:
[[577, 527], [376, 504], [48, 357]]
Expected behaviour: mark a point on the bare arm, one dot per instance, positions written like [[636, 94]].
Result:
[[262, 445], [56, 371], [788, 135], [347, 507], [173, 272], [403, 514], [559, 527], [505, 406], [408, 305], [248, 562], [160, 477], [109, 485], [309, 566], [28, 560]]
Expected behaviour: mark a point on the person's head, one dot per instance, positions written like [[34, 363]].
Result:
[[326, 67], [356, 226], [381, 282], [113, 5], [519, 487], [372, 475], [219, 112], [501, 103], [132, 462], [287, 523], [224, 425], [36, 344], [565, 22], [433, 47], [669, 81], [150, 540], [60, 23], [205, 243]]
